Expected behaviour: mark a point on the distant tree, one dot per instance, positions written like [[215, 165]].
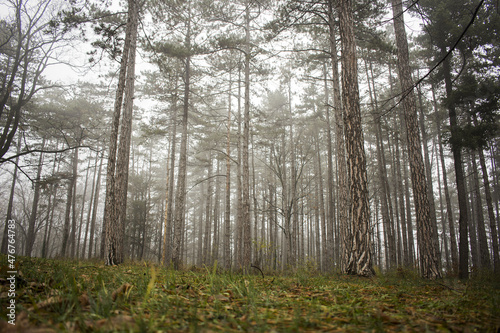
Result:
[[470, 28], [29, 43]]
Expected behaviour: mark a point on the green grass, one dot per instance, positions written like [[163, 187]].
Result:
[[86, 296]]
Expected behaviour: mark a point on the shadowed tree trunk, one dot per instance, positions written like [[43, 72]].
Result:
[[69, 201], [30, 241], [11, 199], [463, 220]]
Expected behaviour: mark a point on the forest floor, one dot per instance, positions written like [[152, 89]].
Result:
[[81, 296]]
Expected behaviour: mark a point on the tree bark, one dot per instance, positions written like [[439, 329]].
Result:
[[30, 239], [484, 255], [360, 260], [69, 202], [491, 214], [94, 208], [180, 196], [429, 255], [385, 196], [463, 220], [227, 212], [110, 201], [10, 205], [114, 250], [245, 202], [344, 237], [449, 210]]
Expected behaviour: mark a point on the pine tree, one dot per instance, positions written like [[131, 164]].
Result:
[[429, 255], [360, 257]]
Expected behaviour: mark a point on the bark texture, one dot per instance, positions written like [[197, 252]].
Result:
[[429, 255], [360, 258]]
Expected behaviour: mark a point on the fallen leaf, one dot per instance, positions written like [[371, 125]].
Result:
[[124, 288], [84, 300], [220, 298], [48, 302]]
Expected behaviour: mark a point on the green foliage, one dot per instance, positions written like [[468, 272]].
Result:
[[88, 296]]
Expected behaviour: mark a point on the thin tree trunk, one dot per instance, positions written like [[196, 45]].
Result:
[[399, 188], [443, 218], [50, 210], [239, 229], [72, 237], [207, 239], [463, 221], [30, 239], [255, 207], [227, 213], [114, 251], [344, 237], [484, 255], [95, 206], [217, 218], [449, 210], [246, 223], [169, 200], [321, 215], [472, 214], [429, 255], [82, 210], [489, 204], [10, 206], [69, 202], [180, 197], [89, 213], [382, 173]]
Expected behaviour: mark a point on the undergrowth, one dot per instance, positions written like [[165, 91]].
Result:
[[86, 296]]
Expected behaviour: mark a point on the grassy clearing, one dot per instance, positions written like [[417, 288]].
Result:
[[86, 296]]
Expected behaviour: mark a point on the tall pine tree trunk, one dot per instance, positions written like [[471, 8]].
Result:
[[484, 255], [180, 196], [463, 220], [344, 237], [169, 200], [449, 210], [360, 258], [110, 200], [491, 214], [115, 225], [382, 172], [429, 255], [227, 212], [245, 202]]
